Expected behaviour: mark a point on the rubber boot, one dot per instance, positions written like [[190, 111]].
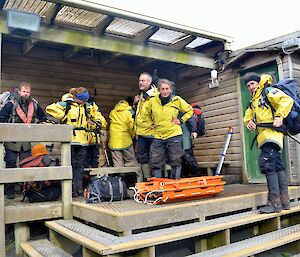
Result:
[[74, 189], [284, 192], [176, 172], [146, 171], [10, 191], [79, 188], [157, 173], [274, 195]]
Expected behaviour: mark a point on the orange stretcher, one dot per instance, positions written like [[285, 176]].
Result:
[[163, 190]]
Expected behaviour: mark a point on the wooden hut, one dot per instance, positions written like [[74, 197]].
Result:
[[105, 49]]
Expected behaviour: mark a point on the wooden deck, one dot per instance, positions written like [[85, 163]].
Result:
[[127, 216]]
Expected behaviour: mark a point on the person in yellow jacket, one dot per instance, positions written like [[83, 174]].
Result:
[[121, 133], [144, 123], [94, 134], [269, 140], [74, 110], [167, 143]]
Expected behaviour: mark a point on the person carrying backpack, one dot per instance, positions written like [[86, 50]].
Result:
[[21, 108], [189, 130], [74, 110], [269, 140], [94, 134]]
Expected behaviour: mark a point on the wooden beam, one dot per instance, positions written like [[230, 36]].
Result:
[[35, 174], [143, 36], [112, 44], [51, 14], [35, 132], [71, 51], [28, 45], [141, 63], [184, 42], [107, 58], [100, 29]]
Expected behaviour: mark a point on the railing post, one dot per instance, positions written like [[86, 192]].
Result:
[[66, 184], [2, 207]]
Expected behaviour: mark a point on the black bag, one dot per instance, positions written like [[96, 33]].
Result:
[[41, 191], [106, 189], [292, 121]]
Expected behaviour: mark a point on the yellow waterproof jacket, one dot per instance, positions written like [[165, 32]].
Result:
[[143, 122], [121, 130], [260, 113], [76, 116], [162, 116], [95, 114]]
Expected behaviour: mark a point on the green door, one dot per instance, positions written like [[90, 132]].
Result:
[[252, 166]]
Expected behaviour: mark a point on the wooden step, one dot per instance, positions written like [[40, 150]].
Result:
[[256, 244], [38, 248], [105, 243]]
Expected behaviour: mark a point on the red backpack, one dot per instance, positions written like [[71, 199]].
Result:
[[39, 191]]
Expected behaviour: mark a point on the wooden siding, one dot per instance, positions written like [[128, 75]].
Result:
[[52, 77], [220, 107], [293, 147]]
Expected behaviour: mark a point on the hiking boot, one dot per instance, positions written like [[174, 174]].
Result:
[[146, 170], [10, 191], [176, 172], [269, 209]]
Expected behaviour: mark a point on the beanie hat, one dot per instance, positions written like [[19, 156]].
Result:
[[197, 109], [83, 96], [38, 150], [252, 78]]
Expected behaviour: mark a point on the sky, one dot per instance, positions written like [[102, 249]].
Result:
[[247, 21]]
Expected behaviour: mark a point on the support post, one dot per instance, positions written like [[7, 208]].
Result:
[[2, 205], [22, 235], [66, 184], [219, 239]]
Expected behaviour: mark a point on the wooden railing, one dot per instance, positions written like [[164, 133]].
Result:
[[36, 133]]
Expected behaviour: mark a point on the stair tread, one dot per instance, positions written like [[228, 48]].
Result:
[[46, 249], [253, 242], [108, 239]]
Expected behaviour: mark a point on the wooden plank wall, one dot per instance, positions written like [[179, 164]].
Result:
[[293, 147], [220, 108], [52, 77]]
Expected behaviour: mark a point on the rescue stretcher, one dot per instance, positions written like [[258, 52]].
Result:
[[163, 190]]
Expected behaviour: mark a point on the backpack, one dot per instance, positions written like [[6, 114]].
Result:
[[39, 191], [291, 124], [200, 119], [106, 189]]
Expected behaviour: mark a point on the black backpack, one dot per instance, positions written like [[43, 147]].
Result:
[[106, 189], [291, 124]]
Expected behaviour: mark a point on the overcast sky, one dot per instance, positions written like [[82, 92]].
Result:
[[247, 21]]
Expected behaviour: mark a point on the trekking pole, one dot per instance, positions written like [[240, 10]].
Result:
[[223, 154]]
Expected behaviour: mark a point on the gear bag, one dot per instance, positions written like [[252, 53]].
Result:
[[291, 124], [39, 191], [106, 189]]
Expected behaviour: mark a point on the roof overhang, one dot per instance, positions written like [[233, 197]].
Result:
[[88, 24]]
